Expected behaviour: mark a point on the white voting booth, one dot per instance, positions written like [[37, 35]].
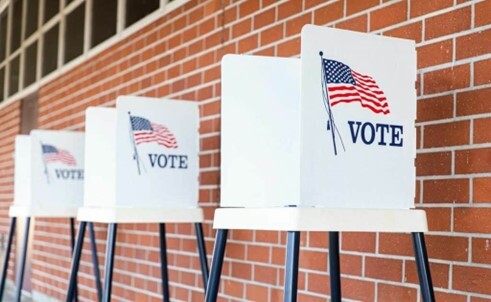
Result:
[[48, 182], [326, 142], [141, 166]]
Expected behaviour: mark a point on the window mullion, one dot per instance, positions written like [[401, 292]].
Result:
[[121, 16], [88, 25]]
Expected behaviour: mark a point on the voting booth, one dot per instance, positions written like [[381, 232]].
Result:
[[142, 166], [48, 182], [326, 142]]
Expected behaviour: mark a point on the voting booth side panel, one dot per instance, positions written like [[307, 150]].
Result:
[[22, 168], [157, 153], [260, 131], [100, 157], [57, 169], [358, 138]]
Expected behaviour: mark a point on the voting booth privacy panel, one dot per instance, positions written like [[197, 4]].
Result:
[[333, 129], [141, 156], [49, 174]]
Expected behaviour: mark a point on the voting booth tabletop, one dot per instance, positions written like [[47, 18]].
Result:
[[294, 220], [117, 215]]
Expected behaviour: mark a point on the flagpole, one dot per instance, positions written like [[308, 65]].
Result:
[[326, 98], [135, 150], [44, 163]]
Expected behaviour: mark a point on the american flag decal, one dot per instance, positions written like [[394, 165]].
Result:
[[345, 85], [145, 131], [52, 154]]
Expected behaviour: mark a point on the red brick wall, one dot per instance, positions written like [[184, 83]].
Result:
[[179, 57]]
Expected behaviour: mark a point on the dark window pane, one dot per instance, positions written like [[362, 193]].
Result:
[[104, 14], [14, 76], [16, 23], [3, 34], [30, 60], [32, 17], [50, 50], [68, 2], [137, 9], [74, 33], [51, 8], [2, 81]]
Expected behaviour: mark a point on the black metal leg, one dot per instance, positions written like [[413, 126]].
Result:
[[216, 266], [163, 264], [334, 267], [20, 271], [202, 253], [291, 271], [108, 277], [423, 267], [72, 239], [77, 253], [13, 222], [95, 261]]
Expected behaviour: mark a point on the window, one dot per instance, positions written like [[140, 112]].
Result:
[[50, 50], [74, 33], [137, 9], [14, 76], [3, 35], [30, 64], [16, 22], [32, 16], [51, 8], [104, 20], [2, 82]]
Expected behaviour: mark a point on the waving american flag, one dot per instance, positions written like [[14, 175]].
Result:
[[145, 131], [52, 154]]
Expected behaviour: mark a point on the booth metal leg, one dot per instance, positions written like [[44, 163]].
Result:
[[202, 253], [95, 261], [77, 253], [6, 259], [334, 267], [20, 271], [423, 267], [111, 246], [72, 242], [163, 264], [291, 271], [216, 266]]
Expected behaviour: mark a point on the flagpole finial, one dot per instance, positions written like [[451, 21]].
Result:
[[321, 53], [129, 112]]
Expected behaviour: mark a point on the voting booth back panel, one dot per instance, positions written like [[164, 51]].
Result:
[[57, 169], [100, 157], [260, 131], [157, 153], [22, 168], [358, 139]]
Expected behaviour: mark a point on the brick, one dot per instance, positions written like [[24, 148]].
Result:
[[472, 220], [248, 44], [474, 102], [472, 279], [447, 297], [447, 247], [481, 13], [271, 35], [473, 161], [447, 134], [411, 31], [390, 293], [435, 108], [289, 8], [481, 189], [356, 24], [446, 79], [439, 219], [358, 289], [248, 7], [482, 72], [389, 15], [435, 54], [482, 133], [289, 48], [313, 260], [351, 264], [264, 18], [354, 6], [395, 244], [318, 283], [473, 45], [329, 13], [358, 242], [241, 28], [423, 7], [383, 269], [448, 23], [481, 250], [439, 273], [478, 299], [434, 163], [258, 253], [294, 26], [256, 292], [455, 190]]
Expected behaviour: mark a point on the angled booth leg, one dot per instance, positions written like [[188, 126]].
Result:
[[334, 267], [20, 272], [423, 267], [202, 253], [108, 276], [13, 222], [95, 261], [291, 269], [72, 239], [163, 264], [216, 266], [77, 253]]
